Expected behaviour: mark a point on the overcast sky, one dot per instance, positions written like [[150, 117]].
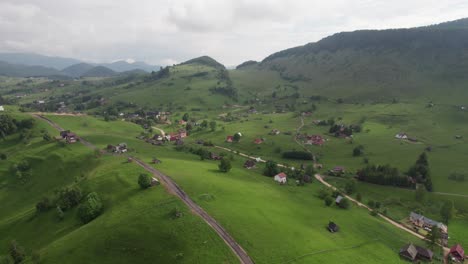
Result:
[[231, 31]]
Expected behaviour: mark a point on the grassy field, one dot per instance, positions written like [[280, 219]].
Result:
[[275, 224], [136, 226]]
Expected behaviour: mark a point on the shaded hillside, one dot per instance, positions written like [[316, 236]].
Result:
[[77, 70], [32, 59], [400, 61], [18, 70], [98, 71]]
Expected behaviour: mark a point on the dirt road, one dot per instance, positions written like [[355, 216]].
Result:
[[176, 190]]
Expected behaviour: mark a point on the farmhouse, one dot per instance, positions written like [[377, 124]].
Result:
[[249, 164], [332, 227], [281, 177], [315, 140], [338, 199], [275, 132], [457, 254], [1, 108], [68, 136], [154, 181], [258, 141], [401, 136], [424, 222], [229, 139], [182, 133], [214, 156], [337, 170], [412, 253]]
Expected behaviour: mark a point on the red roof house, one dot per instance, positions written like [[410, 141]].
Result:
[[315, 140], [258, 141], [230, 139], [457, 253]]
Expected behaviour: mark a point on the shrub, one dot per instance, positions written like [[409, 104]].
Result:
[[17, 252], [344, 203], [69, 197], [3, 156], [144, 181], [43, 205], [328, 200], [91, 208], [271, 168], [224, 165], [350, 187], [324, 193]]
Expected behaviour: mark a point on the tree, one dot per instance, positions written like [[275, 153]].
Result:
[[328, 200], [185, 117], [358, 151], [43, 205], [271, 168], [344, 203], [350, 187], [224, 165], [237, 137], [91, 208], [204, 124], [144, 181], [213, 126], [447, 211], [17, 252], [69, 197], [433, 236], [46, 137]]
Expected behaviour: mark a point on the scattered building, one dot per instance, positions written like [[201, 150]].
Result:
[[338, 199], [401, 136], [258, 141], [229, 139], [424, 222], [154, 181], [315, 140], [412, 253], [249, 164], [338, 170], [457, 254], [69, 137], [281, 178], [332, 227], [275, 132]]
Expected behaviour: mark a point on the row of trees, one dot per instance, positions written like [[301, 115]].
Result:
[[9, 125], [384, 175]]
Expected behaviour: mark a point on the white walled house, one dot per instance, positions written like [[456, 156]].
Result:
[[281, 177]]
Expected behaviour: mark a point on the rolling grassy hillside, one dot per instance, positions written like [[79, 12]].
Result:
[[136, 226]]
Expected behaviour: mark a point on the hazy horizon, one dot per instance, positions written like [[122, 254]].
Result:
[[164, 33]]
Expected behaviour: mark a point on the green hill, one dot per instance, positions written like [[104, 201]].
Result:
[[19, 70], [207, 61], [77, 70], [377, 63], [98, 71]]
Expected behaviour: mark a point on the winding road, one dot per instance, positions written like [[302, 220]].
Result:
[[173, 188]]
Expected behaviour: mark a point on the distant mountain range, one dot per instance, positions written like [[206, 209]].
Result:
[[27, 64]]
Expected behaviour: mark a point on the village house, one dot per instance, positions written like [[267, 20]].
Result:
[[338, 199], [258, 141], [229, 139], [182, 133], [424, 222], [332, 227], [338, 170], [315, 140], [457, 254], [275, 132], [182, 122], [215, 156], [154, 181], [401, 136], [249, 164], [69, 137], [281, 178], [412, 253]]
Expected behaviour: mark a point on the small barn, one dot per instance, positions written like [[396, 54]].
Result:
[[281, 178], [332, 227], [249, 164], [413, 253], [457, 254]]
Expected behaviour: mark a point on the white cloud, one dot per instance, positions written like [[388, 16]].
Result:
[[231, 31]]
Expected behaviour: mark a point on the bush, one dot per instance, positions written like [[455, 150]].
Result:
[[271, 168], [69, 197], [91, 208], [17, 252], [144, 181], [3, 156], [324, 193], [371, 204], [328, 200], [350, 187], [224, 165], [299, 155], [43, 205]]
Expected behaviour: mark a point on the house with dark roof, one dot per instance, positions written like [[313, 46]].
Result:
[[249, 164], [424, 222], [69, 136], [457, 254], [332, 227], [412, 253]]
